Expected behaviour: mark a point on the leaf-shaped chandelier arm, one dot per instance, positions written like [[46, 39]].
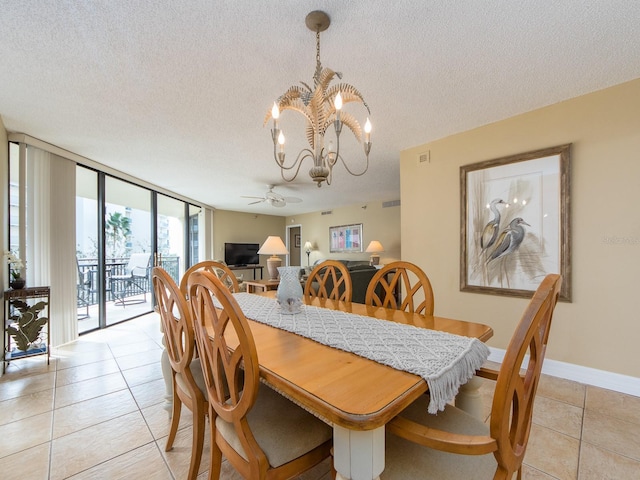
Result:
[[311, 135], [349, 94], [292, 99], [325, 78], [317, 111], [350, 121]]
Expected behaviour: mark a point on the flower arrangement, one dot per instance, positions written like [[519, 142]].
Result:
[[15, 265]]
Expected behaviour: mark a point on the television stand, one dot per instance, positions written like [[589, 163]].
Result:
[[248, 267]]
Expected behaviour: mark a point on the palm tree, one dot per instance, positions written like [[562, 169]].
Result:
[[117, 228]]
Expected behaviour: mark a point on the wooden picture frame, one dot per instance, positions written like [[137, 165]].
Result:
[[345, 238], [515, 226]]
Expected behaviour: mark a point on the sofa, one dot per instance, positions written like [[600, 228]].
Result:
[[361, 274]]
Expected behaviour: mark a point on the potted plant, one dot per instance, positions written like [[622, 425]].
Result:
[[15, 270]]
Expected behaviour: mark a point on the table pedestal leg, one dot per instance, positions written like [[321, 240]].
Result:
[[469, 398], [358, 455]]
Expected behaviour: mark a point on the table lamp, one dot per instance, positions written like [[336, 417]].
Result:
[[374, 248], [307, 248], [273, 246]]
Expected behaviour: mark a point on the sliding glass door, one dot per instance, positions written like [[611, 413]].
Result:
[[129, 248], [122, 231], [87, 245]]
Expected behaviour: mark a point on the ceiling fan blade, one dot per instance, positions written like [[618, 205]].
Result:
[[292, 199], [246, 196], [257, 201]]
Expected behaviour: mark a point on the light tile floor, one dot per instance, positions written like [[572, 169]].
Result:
[[97, 412]]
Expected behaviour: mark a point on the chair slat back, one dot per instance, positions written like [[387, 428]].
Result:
[[329, 279], [512, 408], [232, 378], [176, 321], [410, 280], [219, 269]]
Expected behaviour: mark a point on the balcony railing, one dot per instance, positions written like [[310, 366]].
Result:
[[88, 279]]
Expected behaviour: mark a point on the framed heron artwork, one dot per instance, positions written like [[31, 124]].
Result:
[[515, 226]]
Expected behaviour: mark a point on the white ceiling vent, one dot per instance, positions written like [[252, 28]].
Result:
[[391, 203], [327, 212]]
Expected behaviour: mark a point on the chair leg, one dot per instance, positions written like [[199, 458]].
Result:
[[197, 442], [215, 455], [175, 419]]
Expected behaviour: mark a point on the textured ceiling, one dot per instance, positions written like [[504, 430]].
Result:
[[175, 92]]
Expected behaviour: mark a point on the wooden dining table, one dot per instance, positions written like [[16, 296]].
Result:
[[355, 395]]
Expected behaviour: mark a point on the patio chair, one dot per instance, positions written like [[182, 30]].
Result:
[[134, 281], [84, 287]]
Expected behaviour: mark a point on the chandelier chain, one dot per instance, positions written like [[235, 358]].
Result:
[[316, 76]]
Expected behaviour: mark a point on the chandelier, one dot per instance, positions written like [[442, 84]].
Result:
[[322, 107]]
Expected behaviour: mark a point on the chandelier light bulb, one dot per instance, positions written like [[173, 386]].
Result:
[[281, 140], [338, 102], [367, 131], [275, 111]]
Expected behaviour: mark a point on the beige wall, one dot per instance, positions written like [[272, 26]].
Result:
[[601, 328], [240, 227], [378, 223]]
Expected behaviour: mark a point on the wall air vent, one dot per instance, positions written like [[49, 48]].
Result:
[[424, 157], [327, 212], [391, 203]]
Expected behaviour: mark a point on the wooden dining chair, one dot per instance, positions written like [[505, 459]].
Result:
[[186, 372], [219, 269], [329, 279], [261, 433], [405, 280], [420, 445]]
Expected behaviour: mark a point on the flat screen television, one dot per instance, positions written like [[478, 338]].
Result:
[[240, 254]]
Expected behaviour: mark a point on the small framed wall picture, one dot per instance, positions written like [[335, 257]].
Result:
[[345, 238]]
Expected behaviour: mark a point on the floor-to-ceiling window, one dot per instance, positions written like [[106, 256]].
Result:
[[123, 230], [87, 249], [172, 234], [129, 248]]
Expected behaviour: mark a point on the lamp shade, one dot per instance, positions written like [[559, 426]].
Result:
[[308, 247], [273, 245], [374, 247]]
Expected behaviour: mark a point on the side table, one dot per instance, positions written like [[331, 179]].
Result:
[[255, 286]]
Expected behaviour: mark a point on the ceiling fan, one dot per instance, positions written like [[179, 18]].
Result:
[[273, 198]]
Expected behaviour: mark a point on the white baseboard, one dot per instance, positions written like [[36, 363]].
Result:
[[585, 375]]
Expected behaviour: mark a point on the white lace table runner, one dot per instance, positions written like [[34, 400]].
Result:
[[444, 360]]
